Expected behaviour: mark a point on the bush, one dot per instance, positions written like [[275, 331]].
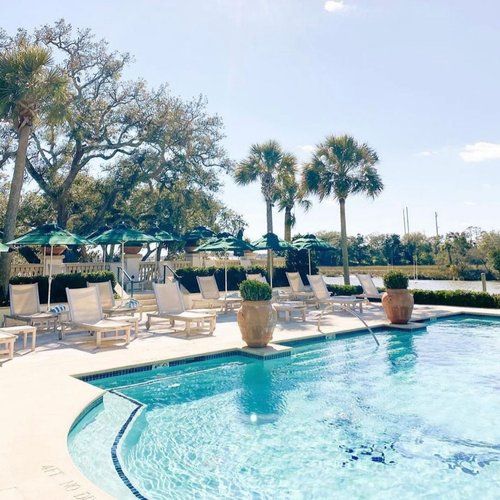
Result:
[[235, 275], [394, 280], [345, 289], [255, 290], [461, 298], [62, 281], [298, 261]]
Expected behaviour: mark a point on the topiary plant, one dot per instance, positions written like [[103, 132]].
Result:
[[255, 291], [395, 280]]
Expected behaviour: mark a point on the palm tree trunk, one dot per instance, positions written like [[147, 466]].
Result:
[[16, 186], [343, 239], [269, 216], [288, 224]]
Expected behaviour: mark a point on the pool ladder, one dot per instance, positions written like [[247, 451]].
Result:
[[345, 307]]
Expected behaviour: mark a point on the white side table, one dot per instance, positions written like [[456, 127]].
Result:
[[23, 330]]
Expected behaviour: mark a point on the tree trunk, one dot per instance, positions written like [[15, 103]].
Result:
[[343, 238], [16, 186], [62, 211], [288, 224], [269, 216]]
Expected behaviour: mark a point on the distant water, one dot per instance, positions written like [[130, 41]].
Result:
[[491, 286]]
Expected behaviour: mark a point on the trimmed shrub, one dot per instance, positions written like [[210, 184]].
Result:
[[345, 289], [255, 290], [394, 280], [461, 298], [62, 281]]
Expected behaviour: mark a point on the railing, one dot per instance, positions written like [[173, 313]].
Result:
[[147, 271], [85, 267], [26, 270], [179, 264]]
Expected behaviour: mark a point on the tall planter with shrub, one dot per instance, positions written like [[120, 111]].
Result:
[[397, 299], [257, 316]]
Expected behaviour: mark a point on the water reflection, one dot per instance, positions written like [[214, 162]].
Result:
[[401, 351]]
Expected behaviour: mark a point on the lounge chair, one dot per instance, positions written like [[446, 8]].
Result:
[[299, 290], [211, 294], [25, 308], [171, 307], [370, 291], [86, 315], [109, 305], [256, 277], [324, 298]]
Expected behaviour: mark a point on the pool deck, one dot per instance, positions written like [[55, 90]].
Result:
[[41, 398]]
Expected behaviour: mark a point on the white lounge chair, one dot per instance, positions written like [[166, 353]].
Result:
[[257, 277], [370, 291], [299, 290], [324, 298], [108, 303], [171, 307], [25, 308], [211, 294], [86, 315]]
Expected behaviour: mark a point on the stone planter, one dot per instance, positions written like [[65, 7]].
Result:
[[132, 250], [56, 250], [257, 320], [398, 305]]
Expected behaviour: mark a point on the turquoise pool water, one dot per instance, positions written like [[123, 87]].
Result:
[[418, 417]]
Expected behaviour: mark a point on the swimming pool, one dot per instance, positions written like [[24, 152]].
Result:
[[416, 417]]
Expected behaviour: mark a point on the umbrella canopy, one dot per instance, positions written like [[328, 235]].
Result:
[[3, 248], [271, 241], [311, 242], [123, 234], [97, 232], [198, 233], [165, 237], [49, 235], [224, 242]]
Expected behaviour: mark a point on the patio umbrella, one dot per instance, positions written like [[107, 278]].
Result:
[[3, 248], [162, 237], [224, 242], [198, 233], [96, 233], [311, 242], [120, 235], [49, 235], [272, 242]]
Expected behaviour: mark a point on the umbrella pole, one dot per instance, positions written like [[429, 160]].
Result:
[[225, 275], [50, 276], [309, 254], [272, 269]]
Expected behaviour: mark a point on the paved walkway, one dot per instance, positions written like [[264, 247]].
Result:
[[40, 399]]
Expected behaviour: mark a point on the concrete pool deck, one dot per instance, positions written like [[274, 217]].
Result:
[[41, 398]]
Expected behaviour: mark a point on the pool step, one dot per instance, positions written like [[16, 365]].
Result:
[[146, 300]]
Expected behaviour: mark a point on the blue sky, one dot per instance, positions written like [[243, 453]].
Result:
[[418, 80]]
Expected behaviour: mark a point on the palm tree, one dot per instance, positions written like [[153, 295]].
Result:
[[342, 166], [266, 162], [289, 195], [29, 87]]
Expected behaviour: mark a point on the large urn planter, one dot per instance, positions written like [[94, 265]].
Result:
[[257, 316], [132, 249], [56, 250], [397, 300]]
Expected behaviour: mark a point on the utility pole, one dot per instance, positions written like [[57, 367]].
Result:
[[437, 227], [404, 223], [407, 222]]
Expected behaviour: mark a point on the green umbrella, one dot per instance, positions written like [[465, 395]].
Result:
[[311, 242], [3, 248], [120, 235], [199, 233], [224, 242], [272, 242], [49, 235]]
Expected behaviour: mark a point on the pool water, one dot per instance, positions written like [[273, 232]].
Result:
[[418, 417]]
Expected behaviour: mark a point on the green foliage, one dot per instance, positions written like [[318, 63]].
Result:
[[345, 289], [461, 298], [62, 281], [255, 290], [495, 258], [235, 275], [394, 280], [298, 261]]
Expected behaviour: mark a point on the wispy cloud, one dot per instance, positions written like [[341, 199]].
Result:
[[307, 148], [470, 203], [480, 151], [426, 153], [335, 5]]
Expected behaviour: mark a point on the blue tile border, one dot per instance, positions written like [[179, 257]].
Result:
[[85, 411], [114, 448], [115, 373]]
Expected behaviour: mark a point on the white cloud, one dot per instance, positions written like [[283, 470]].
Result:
[[480, 151], [426, 153], [307, 148], [334, 5], [470, 203]]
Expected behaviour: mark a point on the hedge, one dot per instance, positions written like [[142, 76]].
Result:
[[235, 275], [62, 281], [461, 298]]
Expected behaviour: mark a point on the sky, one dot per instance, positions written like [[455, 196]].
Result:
[[418, 80]]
